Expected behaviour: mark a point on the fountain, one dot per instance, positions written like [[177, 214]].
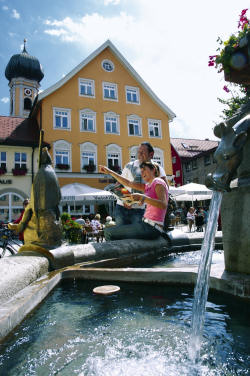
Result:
[[159, 351]]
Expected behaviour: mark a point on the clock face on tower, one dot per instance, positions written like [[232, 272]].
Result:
[[28, 92]]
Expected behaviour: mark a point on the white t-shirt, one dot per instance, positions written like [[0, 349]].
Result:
[[132, 172]]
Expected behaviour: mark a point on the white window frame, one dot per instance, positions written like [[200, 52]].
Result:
[[158, 156], [67, 114], [177, 173], [87, 83], [21, 163], [156, 122], [133, 119], [137, 93], [2, 160], [88, 147], [110, 86], [174, 160], [133, 152], [62, 146], [87, 113], [114, 116], [114, 149], [106, 61]]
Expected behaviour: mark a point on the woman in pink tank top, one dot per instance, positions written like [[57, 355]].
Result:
[[155, 195]]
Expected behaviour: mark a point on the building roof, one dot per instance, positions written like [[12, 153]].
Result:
[[24, 65], [124, 62], [190, 148], [18, 131]]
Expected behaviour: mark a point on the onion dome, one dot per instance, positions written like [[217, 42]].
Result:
[[24, 65]]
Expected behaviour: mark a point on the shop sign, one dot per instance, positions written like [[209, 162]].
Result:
[[5, 181]]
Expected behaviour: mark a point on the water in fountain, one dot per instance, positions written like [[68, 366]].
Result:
[[202, 284]]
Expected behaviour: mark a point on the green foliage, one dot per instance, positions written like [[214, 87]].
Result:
[[71, 229], [238, 97]]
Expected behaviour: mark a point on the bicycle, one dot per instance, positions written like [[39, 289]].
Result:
[[8, 242]]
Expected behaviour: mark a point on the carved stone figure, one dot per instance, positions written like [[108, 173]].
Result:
[[41, 220], [233, 161], [232, 154]]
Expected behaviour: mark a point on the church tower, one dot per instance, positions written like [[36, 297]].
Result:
[[24, 73]]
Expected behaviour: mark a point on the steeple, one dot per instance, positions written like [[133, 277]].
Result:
[[24, 73]]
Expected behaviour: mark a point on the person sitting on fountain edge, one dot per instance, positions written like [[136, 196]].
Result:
[[156, 198], [125, 214]]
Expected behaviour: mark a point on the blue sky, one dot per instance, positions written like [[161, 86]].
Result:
[[167, 42]]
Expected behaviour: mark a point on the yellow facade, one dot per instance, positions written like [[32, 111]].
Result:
[[66, 96]]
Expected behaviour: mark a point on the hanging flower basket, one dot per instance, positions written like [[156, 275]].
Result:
[[89, 168], [3, 170], [240, 76], [115, 168], [233, 57], [62, 166], [19, 171]]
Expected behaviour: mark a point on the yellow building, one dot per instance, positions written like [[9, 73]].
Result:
[[98, 114]]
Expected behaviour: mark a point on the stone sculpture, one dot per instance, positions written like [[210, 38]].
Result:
[[232, 157], [41, 220]]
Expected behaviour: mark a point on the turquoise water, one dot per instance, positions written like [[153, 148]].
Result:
[[142, 330], [178, 260]]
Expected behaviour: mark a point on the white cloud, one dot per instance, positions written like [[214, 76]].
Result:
[[168, 43], [5, 99], [114, 2], [15, 14], [4, 7]]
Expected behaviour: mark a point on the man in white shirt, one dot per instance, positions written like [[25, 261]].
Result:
[[125, 214]]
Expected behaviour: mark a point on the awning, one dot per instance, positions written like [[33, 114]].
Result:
[[84, 194]]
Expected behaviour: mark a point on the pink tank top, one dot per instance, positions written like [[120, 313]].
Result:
[[152, 212]]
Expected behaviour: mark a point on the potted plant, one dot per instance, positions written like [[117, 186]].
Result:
[[115, 168], [3, 170], [89, 168], [19, 171], [233, 57], [62, 166]]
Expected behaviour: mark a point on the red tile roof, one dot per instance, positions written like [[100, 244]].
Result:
[[190, 148], [19, 131]]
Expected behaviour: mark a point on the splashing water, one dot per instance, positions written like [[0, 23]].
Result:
[[202, 284]]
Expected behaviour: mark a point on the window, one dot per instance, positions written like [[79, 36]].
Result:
[[62, 155], [27, 104], [177, 173], [111, 123], [114, 157], [62, 158], [194, 164], [207, 160], [20, 160], [188, 166], [110, 91], [133, 153], [88, 157], [3, 159], [132, 95], [158, 157], [154, 128], [134, 126], [87, 121], [173, 160], [62, 118], [86, 87], [108, 66]]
